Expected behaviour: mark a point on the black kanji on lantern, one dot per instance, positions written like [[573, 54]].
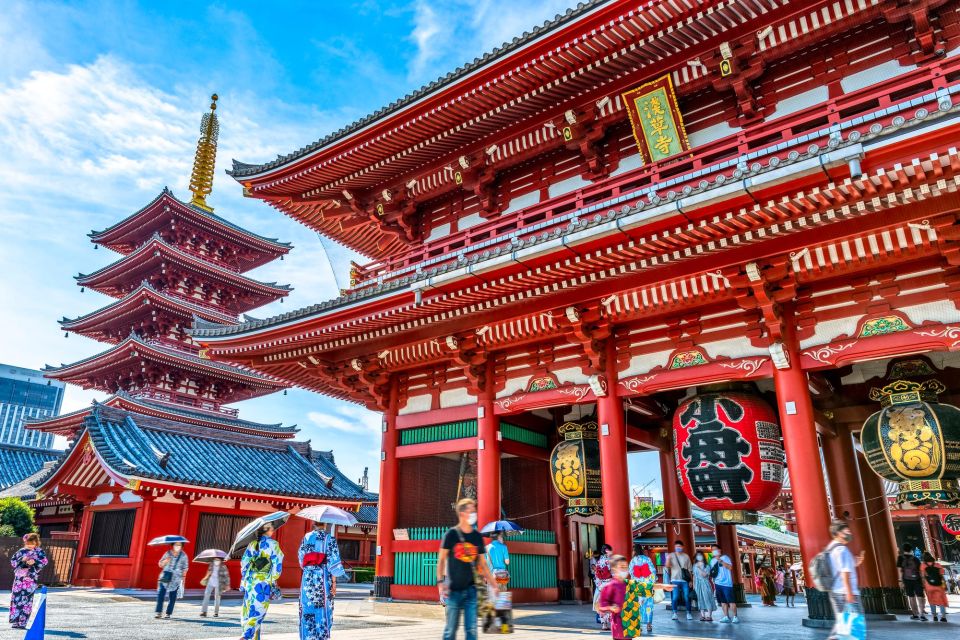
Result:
[[714, 452]]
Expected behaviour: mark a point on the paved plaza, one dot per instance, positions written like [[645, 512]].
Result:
[[113, 615]]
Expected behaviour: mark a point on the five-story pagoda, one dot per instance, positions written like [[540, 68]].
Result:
[[164, 454]]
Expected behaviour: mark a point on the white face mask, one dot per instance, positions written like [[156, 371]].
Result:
[[622, 575], [217, 562], [699, 558], [472, 518]]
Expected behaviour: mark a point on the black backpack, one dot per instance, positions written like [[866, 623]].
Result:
[[933, 575], [911, 567], [821, 569]]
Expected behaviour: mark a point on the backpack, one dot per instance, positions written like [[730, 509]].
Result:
[[821, 569], [911, 567], [933, 575], [715, 569]]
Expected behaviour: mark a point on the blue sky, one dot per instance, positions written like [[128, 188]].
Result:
[[99, 109]]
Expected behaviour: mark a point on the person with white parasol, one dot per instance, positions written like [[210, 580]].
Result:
[[216, 581], [173, 571], [260, 568], [320, 560]]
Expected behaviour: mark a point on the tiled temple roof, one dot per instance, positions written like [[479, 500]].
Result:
[[755, 532], [187, 413], [368, 514], [18, 463], [153, 449], [96, 235], [26, 489], [241, 169]]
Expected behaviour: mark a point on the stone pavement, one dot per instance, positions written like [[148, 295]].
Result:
[[112, 615]]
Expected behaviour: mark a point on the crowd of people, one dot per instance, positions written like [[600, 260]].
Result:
[[708, 582]]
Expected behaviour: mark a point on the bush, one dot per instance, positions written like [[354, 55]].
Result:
[[16, 515], [363, 574], [6, 531]]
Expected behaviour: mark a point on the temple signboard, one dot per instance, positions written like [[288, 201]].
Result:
[[656, 120]]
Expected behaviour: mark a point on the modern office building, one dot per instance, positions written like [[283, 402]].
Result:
[[25, 393]]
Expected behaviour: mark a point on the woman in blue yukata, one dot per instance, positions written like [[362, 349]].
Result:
[[320, 559], [260, 569]]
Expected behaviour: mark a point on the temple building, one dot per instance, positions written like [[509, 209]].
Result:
[[164, 453], [724, 231]]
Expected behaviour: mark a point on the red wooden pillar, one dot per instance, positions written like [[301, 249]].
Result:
[[617, 523], [139, 539], [803, 451], [488, 453], [676, 506], [729, 543], [881, 524], [884, 538], [389, 479], [840, 458]]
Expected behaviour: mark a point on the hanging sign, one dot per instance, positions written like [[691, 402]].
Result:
[[656, 120]]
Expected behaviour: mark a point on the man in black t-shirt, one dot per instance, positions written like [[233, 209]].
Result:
[[909, 566], [459, 553]]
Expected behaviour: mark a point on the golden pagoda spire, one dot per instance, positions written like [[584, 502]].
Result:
[[201, 180]]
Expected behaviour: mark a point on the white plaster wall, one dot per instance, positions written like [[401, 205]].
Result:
[[523, 201], [571, 375], [456, 398], [416, 404], [939, 311], [566, 186], [471, 220], [708, 134], [102, 499], [732, 348], [801, 101], [439, 232], [513, 385], [645, 362], [873, 75], [128, 497], [628, 164]]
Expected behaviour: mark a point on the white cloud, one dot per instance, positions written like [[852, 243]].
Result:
[[348, 419]]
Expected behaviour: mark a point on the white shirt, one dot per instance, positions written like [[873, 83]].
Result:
[[842, 562], [724, 577]]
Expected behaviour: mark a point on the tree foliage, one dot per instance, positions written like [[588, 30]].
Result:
[[16, 516], [770, 522], [645, 510]]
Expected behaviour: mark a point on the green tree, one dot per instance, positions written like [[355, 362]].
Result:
[[645, 510], [770, 522], [15, 515]]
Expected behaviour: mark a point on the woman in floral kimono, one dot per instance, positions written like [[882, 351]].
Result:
[[601, 577], [260, 569], [320, 559], [27, 563], [643, 574]]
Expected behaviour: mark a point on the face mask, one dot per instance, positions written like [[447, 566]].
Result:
[[678, 549], [848, 536], [217, 562], [622, 575], [472, 518], [699, 558]]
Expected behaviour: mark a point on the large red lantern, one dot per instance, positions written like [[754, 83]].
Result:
[[951, 524], [729, 454]]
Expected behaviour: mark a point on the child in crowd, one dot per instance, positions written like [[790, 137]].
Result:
[[613, 595]]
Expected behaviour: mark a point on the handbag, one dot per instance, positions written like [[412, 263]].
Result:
[[658, 596], [166, 576], [275, 594], [852, 625]]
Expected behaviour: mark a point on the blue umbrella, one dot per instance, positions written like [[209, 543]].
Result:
[[506, 527], [166, 540]]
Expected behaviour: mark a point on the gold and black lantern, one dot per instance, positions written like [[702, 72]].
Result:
[[914, 440], [575, 468]]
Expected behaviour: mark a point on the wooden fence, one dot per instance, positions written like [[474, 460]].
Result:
[[59, 569]]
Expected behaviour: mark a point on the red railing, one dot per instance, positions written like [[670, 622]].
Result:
[[738, 155]]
